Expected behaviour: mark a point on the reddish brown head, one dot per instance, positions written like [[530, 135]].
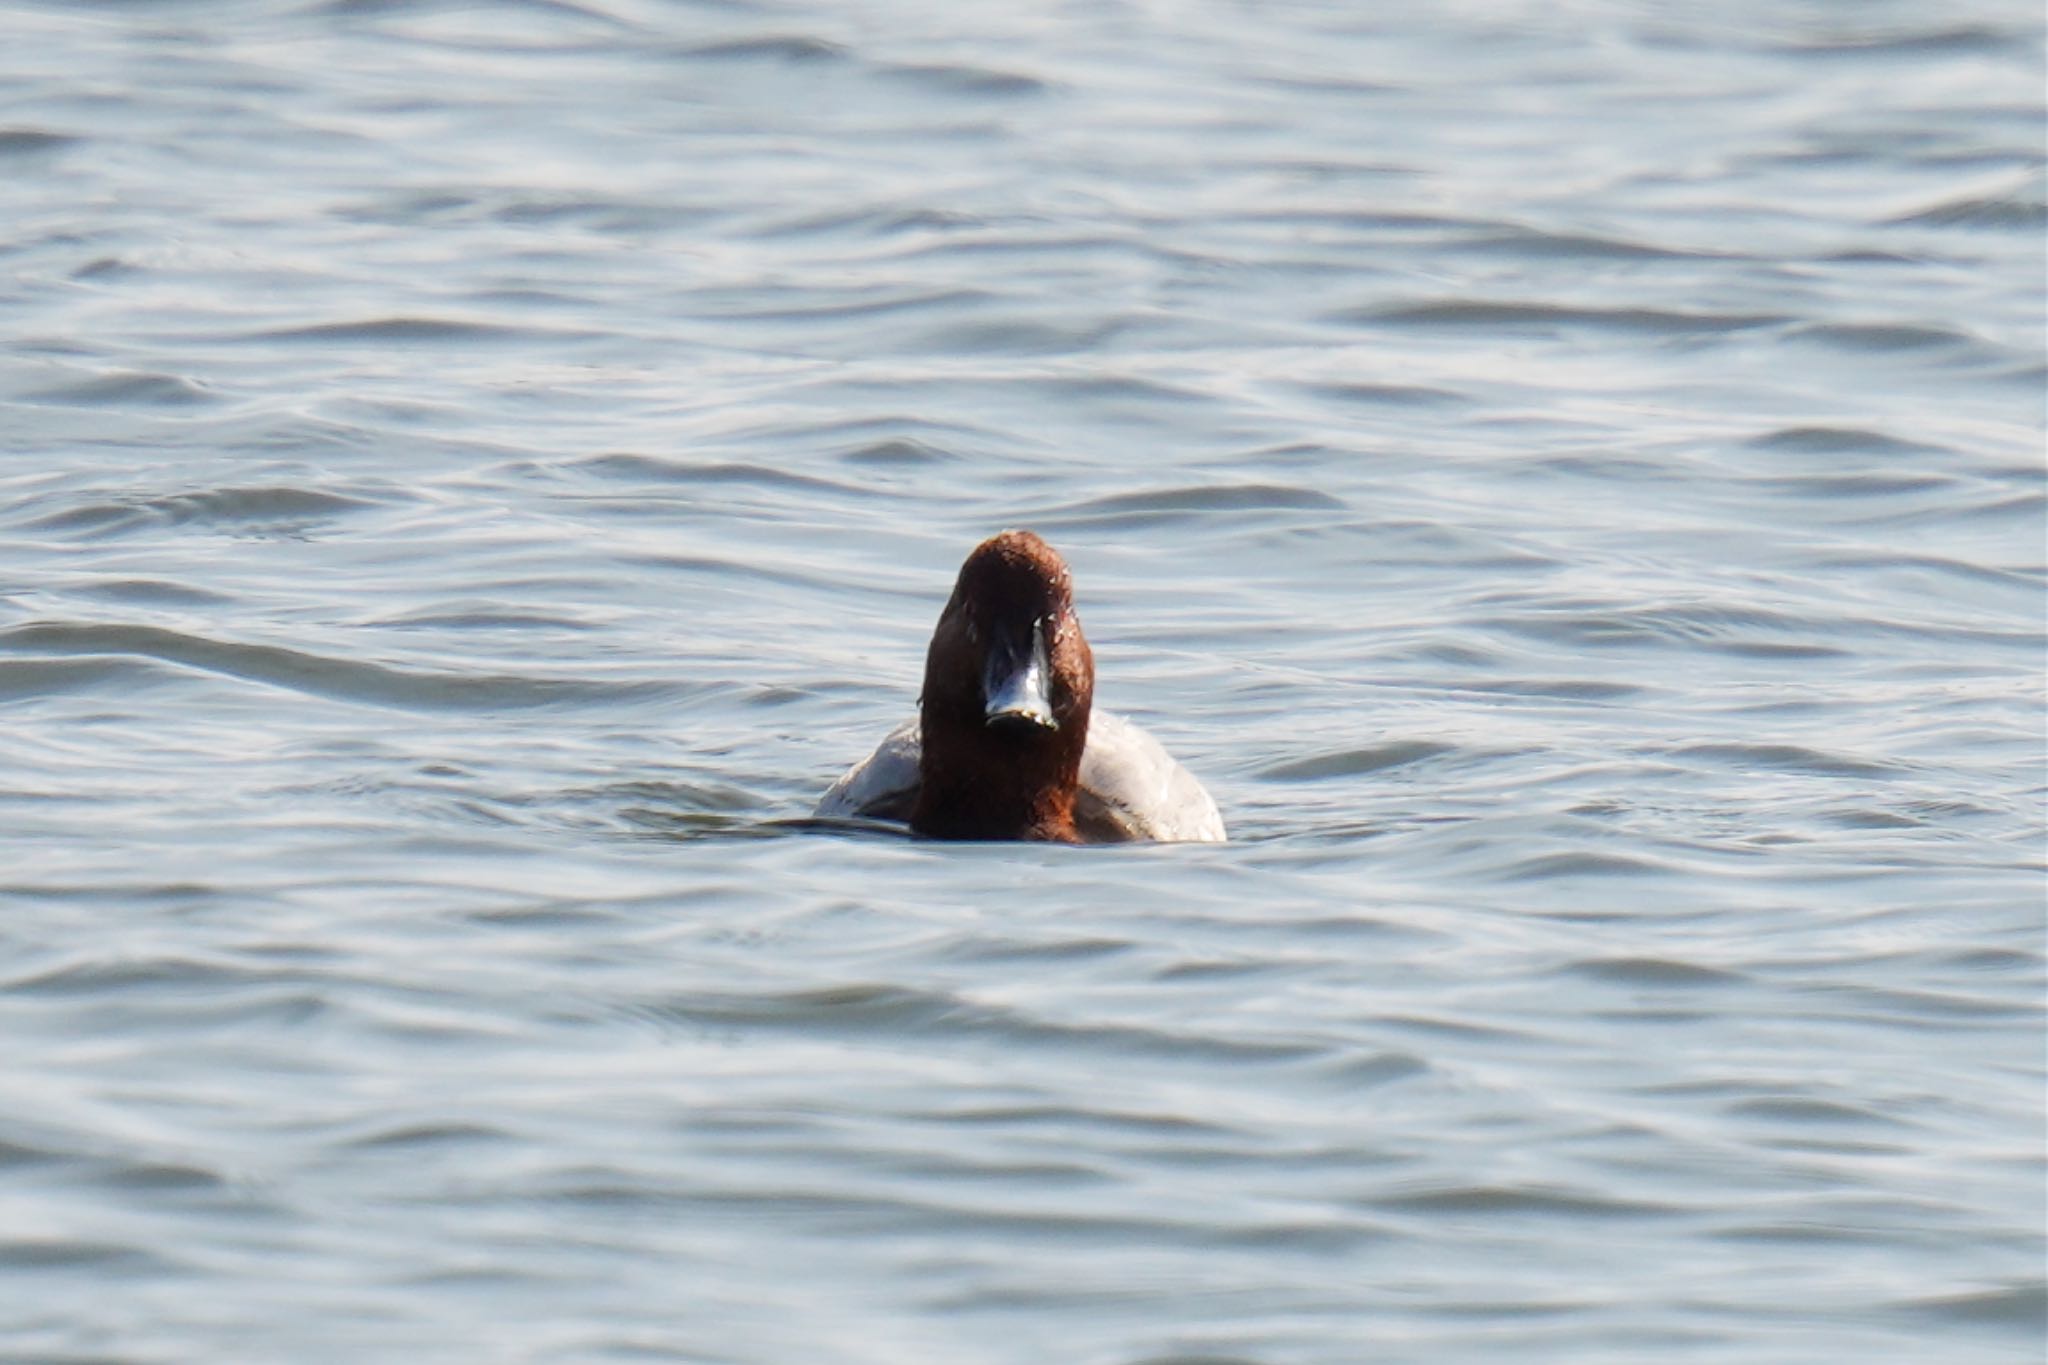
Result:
[[1008, 683]]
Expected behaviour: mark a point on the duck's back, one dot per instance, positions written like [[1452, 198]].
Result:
[[882, 786], [1131, 788]]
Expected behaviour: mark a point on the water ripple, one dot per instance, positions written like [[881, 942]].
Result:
[[896, 1010], [34, 141], [1166, 505], [1354, 762], [1545, 316], [125, 388], [415, 331], [281, 508], [325, 676]]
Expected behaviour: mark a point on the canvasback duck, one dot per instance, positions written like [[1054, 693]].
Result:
[[1007, 743]]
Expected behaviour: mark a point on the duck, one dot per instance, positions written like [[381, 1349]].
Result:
[[1007, 743]]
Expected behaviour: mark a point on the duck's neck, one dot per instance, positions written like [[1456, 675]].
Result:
[[982, 784]]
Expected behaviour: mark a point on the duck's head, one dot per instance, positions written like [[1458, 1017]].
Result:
[[1008, 685]]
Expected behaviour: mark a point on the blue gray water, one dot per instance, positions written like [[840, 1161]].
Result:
[[1569, 478]]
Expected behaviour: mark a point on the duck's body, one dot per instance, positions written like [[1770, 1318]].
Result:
[[1130, 788], [1007, 744]]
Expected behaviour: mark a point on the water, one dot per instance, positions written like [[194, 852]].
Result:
[[1567, 477]]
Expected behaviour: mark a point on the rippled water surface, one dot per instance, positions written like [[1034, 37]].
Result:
[[1569, 479]]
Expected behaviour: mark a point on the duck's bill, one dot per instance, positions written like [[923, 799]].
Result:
[[1017, 680]]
